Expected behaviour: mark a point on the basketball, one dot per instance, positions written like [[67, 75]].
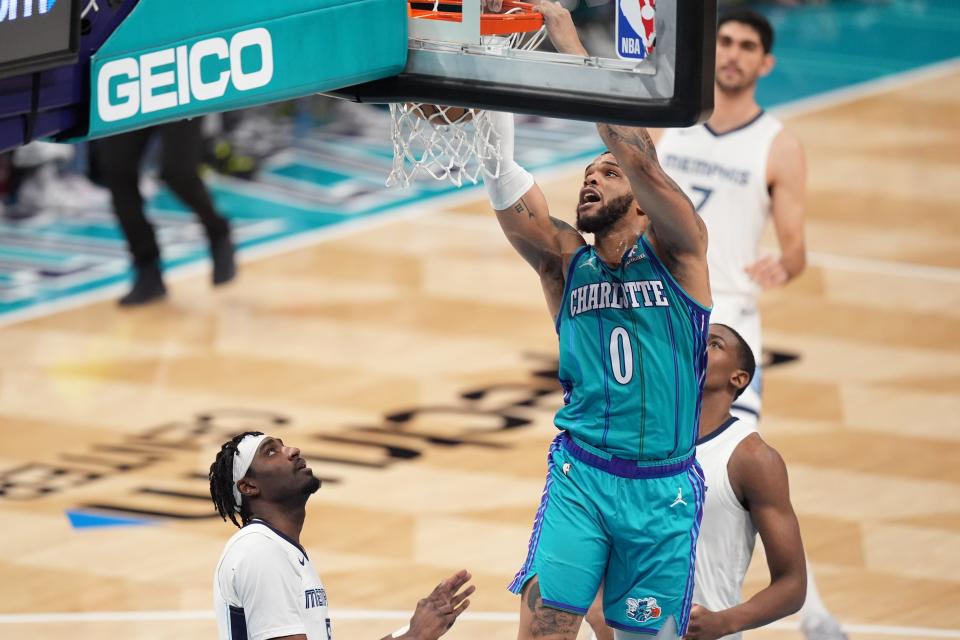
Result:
[[440, 115]]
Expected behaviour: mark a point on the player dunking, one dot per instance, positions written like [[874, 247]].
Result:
[[265, 586], [741, 169], [632, 314]]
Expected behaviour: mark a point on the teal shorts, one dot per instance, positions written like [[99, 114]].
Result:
[[607, 520]]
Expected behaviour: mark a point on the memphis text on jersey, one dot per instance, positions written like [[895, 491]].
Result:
[[315, 598], [699, 167], [617, 295]]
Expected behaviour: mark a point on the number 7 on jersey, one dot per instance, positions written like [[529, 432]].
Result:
[[703, 193]]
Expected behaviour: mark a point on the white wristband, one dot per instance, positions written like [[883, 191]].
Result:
[[399, 632], [504, 179], [512, 183]]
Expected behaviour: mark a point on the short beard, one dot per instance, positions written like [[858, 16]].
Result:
[[608, 215], [737, 89], [312, 487]]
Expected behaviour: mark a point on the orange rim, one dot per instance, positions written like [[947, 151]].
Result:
[[491, 24]]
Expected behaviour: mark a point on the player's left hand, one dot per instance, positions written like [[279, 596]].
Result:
[[768, 272], [705, 624]]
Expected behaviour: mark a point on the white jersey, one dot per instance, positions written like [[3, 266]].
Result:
[[725, 175], [727, 534], [266, 587]]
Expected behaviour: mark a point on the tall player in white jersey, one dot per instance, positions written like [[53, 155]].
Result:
[[265, 586], [742, 168]]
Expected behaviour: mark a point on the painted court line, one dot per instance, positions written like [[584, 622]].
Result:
[[871, 266], [890, 268], [866, 89], [373, 614], [279, 247], [246, 255]]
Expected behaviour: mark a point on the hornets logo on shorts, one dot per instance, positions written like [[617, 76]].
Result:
[[643, 609]]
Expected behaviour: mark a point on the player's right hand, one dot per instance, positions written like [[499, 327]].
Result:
[[705, 624], [560, 27], [768, 272], [436, 613]]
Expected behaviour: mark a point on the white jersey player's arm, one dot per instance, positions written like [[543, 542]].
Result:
[[546, 243], [787, 177], [758, 477]]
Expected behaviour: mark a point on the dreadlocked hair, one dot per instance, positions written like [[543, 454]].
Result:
[[221, 481]]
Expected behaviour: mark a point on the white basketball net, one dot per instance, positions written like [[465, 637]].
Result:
[[449, 143]]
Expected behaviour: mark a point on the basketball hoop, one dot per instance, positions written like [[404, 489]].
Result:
[[453, 143], [517, 17]]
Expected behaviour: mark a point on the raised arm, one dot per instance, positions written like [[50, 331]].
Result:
[[759, 479], [679, 230], [546, 243], [678, 235], [787, 177]]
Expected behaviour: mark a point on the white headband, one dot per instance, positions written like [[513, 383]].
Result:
[[242, 459]]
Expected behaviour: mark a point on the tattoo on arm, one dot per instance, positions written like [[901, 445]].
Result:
[[548, 621], [521, 207], [636, 137], [560, 225], [639, 139], [675, 187]]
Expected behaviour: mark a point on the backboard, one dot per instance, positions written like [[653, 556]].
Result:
[[649, 64]]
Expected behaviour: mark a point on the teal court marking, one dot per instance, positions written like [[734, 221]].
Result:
[[329, 177], [90, 520]]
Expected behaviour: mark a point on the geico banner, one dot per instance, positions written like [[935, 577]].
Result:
[[170, 78], [158, 67]]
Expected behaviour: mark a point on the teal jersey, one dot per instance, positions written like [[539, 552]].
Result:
[[632, 357]]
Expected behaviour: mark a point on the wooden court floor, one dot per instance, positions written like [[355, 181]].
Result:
[[413, 362]]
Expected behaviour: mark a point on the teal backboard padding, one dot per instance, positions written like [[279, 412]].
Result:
[[163, 64]]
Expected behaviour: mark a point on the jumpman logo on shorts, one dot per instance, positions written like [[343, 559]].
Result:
[[679, 499]]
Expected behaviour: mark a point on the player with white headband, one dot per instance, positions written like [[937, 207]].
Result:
[[265, 585]]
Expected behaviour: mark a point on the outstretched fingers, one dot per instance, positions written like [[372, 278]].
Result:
[[450, 600], [451, 585], [463, 595], [456, 612]]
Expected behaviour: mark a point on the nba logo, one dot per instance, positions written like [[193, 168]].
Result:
[[636, 33]]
